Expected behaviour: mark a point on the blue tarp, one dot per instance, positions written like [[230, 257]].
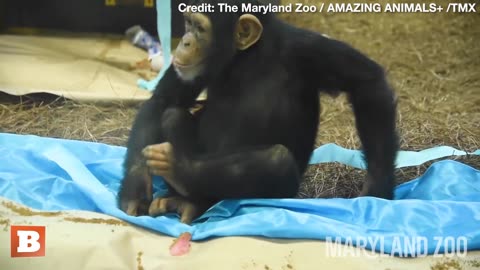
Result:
[[56, 174], [164, 29]]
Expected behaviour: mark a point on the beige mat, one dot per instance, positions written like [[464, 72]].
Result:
[[85, 240], [76, 67]]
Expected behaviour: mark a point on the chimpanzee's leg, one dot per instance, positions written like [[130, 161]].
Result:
[[135, 194], [265, 172], [202, 179], [135, 191], [259, 171]]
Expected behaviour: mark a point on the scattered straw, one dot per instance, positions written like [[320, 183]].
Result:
[[5, 223], [449, 264], [139, 261], [23, 211], [96, 221]]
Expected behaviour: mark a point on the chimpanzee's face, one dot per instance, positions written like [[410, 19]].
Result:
[[191, 53]]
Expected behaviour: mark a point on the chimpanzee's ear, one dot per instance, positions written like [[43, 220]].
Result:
[[248, 31]]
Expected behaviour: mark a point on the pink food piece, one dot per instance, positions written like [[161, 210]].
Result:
[[181, 246]]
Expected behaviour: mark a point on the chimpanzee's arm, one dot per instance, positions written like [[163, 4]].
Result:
[[333, 65], [135, 189]]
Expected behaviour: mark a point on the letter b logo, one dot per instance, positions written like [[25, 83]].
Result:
[[27, 241]]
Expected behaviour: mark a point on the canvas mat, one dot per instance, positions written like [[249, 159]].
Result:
[[100, 68], [87, 240]]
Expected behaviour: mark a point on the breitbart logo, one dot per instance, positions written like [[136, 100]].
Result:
[[27, 241]]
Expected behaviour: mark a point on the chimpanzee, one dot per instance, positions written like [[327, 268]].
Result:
[[256, 132]]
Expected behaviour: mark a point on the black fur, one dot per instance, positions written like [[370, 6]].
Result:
[[256, 133]]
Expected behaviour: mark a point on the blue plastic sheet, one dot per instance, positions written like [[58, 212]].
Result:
[[164, 29], [55, 174], [334, 153]]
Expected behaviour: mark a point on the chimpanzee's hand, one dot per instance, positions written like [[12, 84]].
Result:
[[160, 160]]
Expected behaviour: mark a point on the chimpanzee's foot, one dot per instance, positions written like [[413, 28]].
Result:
[[187, 209]]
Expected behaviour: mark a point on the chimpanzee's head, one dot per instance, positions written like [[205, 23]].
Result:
[[211, 40]]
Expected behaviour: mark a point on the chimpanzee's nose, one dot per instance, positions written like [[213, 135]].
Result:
[[187, 40]]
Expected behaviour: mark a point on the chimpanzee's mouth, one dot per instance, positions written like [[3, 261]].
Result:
[[184, 66]]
